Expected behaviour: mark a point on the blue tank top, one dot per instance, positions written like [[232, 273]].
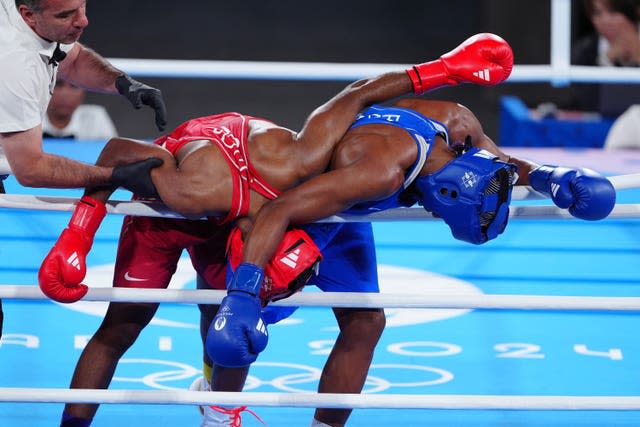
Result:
[[423, 131]]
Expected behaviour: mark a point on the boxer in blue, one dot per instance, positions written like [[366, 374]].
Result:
[[440, 158], [397, 157]]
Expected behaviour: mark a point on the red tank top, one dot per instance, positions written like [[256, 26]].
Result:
[[229, 132]]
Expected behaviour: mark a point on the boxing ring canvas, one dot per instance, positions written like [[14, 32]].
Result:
[[434, 351]]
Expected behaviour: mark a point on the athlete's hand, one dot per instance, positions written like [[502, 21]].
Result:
[[587, 194], [238, 332], [484, 59], [138, 94], [64, 268], [295, 261]]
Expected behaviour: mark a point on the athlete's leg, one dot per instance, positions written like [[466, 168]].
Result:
[[207, 313], [121, 151], [148, 254], [193, 190], [119, 330], [349, 265], [347, 366]]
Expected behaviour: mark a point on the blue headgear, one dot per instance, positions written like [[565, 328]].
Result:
[[471, 194]]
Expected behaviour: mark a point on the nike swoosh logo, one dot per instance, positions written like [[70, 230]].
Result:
[[133, 279]]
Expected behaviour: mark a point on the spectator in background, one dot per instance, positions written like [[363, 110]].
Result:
[[67, 117], [615, 42]]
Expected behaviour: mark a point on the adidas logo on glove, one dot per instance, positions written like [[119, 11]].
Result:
[[291, 259], [483, 75], [74, 260], [261, 327]]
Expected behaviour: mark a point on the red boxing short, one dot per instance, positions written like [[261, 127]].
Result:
[[228, 132], [150, 248]]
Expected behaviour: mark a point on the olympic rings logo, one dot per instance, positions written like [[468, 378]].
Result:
[[304, 378], [373, 384], [154, 380]]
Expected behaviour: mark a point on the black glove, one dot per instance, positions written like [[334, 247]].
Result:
[[136, 177], [138, 93], [2, 178]]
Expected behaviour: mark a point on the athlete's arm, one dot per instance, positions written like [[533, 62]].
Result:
[[324, 195], [466, 127], [328, 123], [585, 193], [524, 166], [238, 333]]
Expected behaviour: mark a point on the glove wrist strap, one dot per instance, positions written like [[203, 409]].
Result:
[[539, 178], [247, 278], [428, 76], [88, 215]]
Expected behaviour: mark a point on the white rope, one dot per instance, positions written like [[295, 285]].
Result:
[[156, 209], [625, 182], [622, 211], [351, 299], [68, 204], [323, 71], [324, 400]]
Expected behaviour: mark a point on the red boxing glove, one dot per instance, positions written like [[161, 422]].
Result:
[[484, 59], [296, 260], [64, 267]]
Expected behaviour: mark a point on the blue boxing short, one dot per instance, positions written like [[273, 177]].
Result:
[[348, 264]]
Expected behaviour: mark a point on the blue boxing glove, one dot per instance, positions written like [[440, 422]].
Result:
[[587, 194], [238, 332]]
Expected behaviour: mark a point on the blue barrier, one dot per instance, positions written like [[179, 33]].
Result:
[[519, 127]]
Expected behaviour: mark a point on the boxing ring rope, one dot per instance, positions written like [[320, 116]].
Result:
[[157, 209], [558, 72], [356, 401], [324, 400], [351, 299], [322, 71], [315, 400], [344, 299]]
